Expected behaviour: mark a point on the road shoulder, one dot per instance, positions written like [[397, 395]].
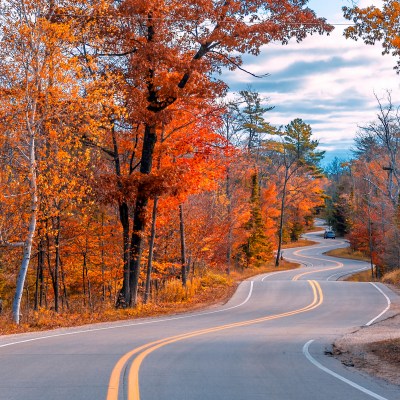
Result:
[[373, 349]]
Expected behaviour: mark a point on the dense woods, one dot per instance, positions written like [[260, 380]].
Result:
[[364, 192], [125, 164], [130, 174], [363, 200]]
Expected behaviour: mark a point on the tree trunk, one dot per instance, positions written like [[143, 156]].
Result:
[[84, 279], [64, 286], [48, 257], [278, 254], [89, 289], [124, 294], [123, 300], [103, 264], [39, 277], [370, 241], [183, 245], [57, 267], [151, 251], [230, 230], [139, 214], [31, 232]]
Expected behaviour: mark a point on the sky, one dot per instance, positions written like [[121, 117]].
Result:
[[328, 81]]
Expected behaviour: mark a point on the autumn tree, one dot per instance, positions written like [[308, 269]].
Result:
[[167, 54], [373, 24], [230, 129], [34, 78], [45, 111], [375, 188]]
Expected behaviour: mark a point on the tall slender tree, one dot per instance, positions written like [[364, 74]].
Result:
[[296, 152]]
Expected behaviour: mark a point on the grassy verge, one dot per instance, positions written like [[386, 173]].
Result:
[[386, 351], [201, 292], [364, 276], [392, 278], [346, 252], [299, 243]]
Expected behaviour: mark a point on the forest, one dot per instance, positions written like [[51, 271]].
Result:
[[131, 175]]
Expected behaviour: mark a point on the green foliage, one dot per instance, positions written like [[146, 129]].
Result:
[[252, 119], [295, 231], [299, 146], [258, 249], [340, 197]]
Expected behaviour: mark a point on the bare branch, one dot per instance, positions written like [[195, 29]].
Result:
[[238, 66], [6, 243]]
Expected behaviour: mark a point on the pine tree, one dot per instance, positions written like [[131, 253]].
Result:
[[258, 248]]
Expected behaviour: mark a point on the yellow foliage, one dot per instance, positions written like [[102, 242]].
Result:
[[392, 277], [174, 292]]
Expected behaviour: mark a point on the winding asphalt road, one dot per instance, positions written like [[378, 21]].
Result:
[[267, 342]]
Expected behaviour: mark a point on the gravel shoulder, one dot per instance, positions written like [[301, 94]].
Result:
[[375, 349]]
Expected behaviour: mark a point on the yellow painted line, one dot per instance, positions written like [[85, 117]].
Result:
[[145, 350], [113, 384], [298, 276]]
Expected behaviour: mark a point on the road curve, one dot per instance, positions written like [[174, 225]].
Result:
[[267, 342]]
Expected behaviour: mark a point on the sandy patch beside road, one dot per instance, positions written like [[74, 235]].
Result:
[[374, 349]]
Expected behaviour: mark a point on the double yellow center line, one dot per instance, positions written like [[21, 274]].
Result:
[[143, 351], [298, 276]]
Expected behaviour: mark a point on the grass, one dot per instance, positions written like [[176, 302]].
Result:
[[347, 252], [364, 276], [392, 277], [299, 243]]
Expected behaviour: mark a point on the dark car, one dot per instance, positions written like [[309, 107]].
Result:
[[329, 235]]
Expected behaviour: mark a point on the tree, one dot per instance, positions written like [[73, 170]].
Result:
[[33, 84], [230, 130], [373, 24], [371, 205], [258, 248], [168, 53], [251, 118], [296, 154]]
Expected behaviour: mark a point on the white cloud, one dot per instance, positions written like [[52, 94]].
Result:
[[329, 81]]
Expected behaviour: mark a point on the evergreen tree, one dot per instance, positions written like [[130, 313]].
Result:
[[297, 153], [252, 120], [258, 248]]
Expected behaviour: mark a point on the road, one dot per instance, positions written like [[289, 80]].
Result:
[[267, 342]]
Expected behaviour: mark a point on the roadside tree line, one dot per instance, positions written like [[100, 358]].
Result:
[[364, 192], [122, 162]]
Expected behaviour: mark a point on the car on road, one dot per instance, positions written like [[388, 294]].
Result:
[[329, 235]]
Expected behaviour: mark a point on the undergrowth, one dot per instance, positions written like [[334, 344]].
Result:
[[392, 277], [200, 292]]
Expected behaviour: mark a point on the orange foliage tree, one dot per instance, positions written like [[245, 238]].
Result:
[[166, 53], [369, 190], [373, 24], [36, 89], [107, 108]]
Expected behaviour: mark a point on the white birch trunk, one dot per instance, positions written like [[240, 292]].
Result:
[[31, 232]]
